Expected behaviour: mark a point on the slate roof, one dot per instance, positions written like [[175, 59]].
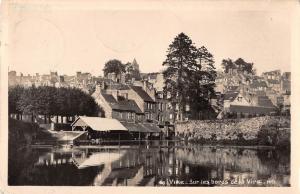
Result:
[[128, 105], [141, 92], [264, 101], [230, 95], [142, 127], [124, 105], [109, 98], [232, 88]]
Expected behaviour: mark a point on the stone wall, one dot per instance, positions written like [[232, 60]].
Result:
[[229, 129]]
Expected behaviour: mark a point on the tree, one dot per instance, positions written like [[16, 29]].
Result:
[[14, 95], [189, 75], [51, 101], [132, 71], [227, 64], [240, 64], [114, 66], [243, 66]]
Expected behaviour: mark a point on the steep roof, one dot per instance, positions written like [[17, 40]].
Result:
[[142, 127], [232, 88], [142, 93], [127, 105], [230, 95], [109, 98], [264, 101], [124, 105]]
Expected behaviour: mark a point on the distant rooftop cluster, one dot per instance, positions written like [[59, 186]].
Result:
[[142, 100]]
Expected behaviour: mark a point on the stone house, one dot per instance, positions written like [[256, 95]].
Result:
[[118, 107]]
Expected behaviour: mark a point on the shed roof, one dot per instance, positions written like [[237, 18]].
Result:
[[97, 159], [99, 124], [143, 128]]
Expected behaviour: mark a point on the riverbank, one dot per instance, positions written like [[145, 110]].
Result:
[[258, 131], [22, 134]]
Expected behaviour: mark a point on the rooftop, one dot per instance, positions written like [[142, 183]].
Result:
[[230, 95], [99, 124], [142, 93]]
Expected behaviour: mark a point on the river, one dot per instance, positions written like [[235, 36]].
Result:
[[150, 165]]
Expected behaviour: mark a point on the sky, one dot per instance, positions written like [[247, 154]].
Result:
[[77, 36]]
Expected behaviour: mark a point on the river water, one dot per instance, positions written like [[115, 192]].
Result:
[[152, 165]]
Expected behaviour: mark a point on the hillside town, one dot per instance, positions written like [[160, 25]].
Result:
[[136, 100], [155, 94]]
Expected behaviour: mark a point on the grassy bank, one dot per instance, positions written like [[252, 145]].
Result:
[[21, 134]]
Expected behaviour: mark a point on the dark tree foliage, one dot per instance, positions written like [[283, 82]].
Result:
[[240, 64], [244, 66], [51, 101], [132, 71], [14, 95], [227, 64], [190, 74], [114, 66]]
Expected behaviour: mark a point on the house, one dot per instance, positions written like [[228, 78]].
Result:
[[235, 98], [274, 84], [118, 107], [272, 75], [144, 101], [258, 85]]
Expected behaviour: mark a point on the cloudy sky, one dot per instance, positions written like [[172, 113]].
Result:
[[77, 36]]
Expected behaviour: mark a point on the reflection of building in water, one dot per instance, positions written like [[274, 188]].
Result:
[[159, 166], [55, 158]]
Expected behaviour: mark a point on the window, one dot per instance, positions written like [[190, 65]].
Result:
[[187, 107], [121, 115], [171, 116]]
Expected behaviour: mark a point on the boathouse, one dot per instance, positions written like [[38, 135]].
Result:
[[98, 127], [112, 129]]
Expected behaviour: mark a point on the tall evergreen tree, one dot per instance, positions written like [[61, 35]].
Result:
[[189, 74]]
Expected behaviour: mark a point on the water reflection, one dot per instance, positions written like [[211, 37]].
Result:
[[152, 166]]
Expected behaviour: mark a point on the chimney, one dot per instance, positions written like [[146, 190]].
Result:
[[145, 85], [98, 88], [78, 73]]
